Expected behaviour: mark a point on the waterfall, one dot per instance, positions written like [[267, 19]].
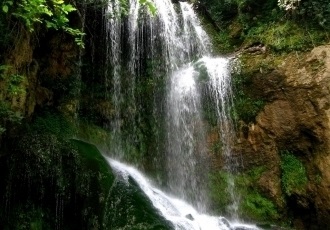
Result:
[[220, 89], [113, 27], [182, 215], [179, 50], [186, 138]]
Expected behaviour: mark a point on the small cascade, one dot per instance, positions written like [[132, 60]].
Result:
[[185, 135], [220, 89], [195, 40], [182, 215], [113, 27]]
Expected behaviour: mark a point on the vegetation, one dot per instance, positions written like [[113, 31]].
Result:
[[45, 159], [294, 177], [253, 205], [281, 26], [8, 117], [55, 124], [13, 87], [246, 106], [52, 14], [219, 193], [52, 182], [259, 208]]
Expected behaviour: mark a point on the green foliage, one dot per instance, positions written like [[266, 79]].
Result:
[[253, 204], [13, 81], [225, 42], [14, 86], [265, 22], [8, 116], [6, 5], [29, 217], [53, 14], [258, 207], [246, 107], [219, 193], [52, 183], [284, 36], [221, 10], [317, 12], [150, 5], [294, 177], [55, 124]]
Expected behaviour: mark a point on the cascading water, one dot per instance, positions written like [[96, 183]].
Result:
[[113, 85], [220, 89], [185, 135], [182, 215], [174, 39]]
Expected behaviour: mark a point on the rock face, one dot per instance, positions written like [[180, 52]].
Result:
[[29, 78], [49, 183], [295, 118]]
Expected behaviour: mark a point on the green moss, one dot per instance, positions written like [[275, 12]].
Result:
[[94, 134], [125, 205], [8, 116], [223, 41], [93, 159], [217, 147], [246, 108], [70, 181], [30, 217], [294, 178], [219, 193], [53, 123], [258, 208], [252, 206], [246, 105]]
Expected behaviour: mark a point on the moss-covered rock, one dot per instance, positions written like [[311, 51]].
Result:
[[294, 117], [253, 205], [50, 183]]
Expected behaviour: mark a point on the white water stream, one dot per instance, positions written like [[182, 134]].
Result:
[[182, 215]]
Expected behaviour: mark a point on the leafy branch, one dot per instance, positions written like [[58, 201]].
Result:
[[52, 13]]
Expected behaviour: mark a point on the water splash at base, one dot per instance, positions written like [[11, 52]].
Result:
[[181, 214]]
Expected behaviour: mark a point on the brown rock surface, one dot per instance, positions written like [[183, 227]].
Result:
[[296, 117]]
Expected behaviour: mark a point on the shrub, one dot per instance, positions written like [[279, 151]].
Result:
[[53, 14]]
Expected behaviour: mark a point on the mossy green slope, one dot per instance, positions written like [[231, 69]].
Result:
[[51, 183]]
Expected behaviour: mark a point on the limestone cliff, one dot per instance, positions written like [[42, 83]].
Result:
[[296, 119]]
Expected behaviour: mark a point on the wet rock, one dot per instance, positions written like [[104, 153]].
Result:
[[60, 183], [190, 217], [296, 118]]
